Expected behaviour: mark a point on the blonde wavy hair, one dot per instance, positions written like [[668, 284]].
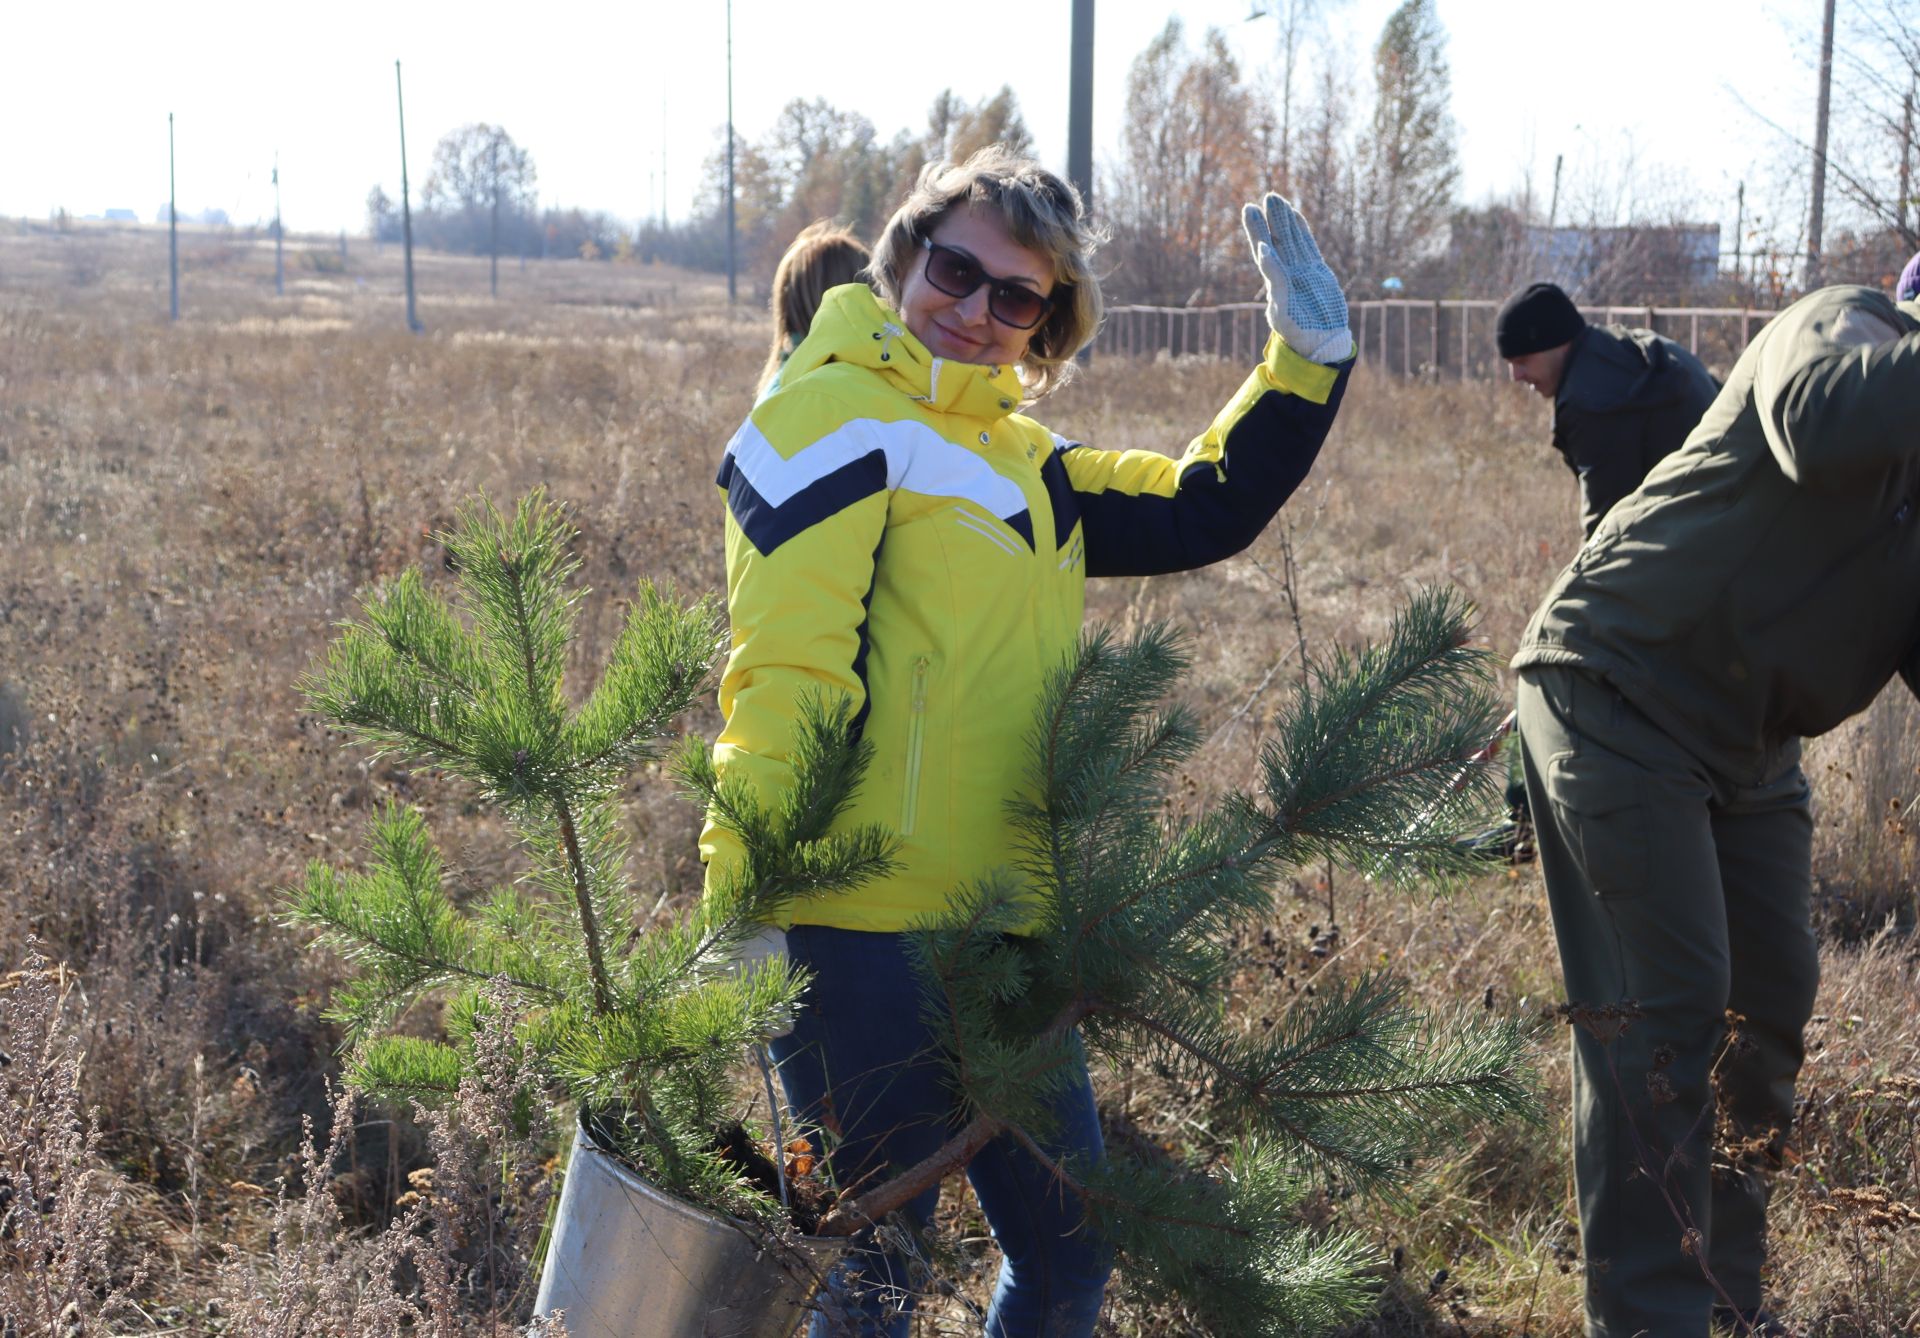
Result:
[[1042, 213], [820, 257]]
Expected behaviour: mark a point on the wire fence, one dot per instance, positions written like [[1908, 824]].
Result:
[[1450, 339]]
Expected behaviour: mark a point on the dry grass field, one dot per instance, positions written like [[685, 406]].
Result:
[[193, 506]]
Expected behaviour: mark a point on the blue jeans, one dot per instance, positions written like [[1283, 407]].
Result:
[[862, 1067]]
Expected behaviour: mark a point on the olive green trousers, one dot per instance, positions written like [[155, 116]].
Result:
[[1680, 898]]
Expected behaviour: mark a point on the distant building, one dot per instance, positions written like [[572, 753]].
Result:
[[213, 218], [122, 216], [1635, 263]]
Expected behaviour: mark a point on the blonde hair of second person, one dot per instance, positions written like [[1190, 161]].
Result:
[[820, 257]]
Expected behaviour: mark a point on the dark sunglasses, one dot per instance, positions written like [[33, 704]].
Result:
[[957, 274]]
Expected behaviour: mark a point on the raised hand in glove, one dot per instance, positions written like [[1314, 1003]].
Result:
[[1305, 306], [766, 944]]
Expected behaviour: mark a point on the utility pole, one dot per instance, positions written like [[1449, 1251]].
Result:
[[279, 263], [1080, 103], [173, 232], [1080, 115], [1739, 236], [732, 290], [1816, 220], [1906, 165], [1553, 215], [406, 207], [493, 223]]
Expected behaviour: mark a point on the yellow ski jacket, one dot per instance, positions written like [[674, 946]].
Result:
[[897, 532]]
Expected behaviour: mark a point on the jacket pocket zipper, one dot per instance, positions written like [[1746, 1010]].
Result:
[[916, 745]]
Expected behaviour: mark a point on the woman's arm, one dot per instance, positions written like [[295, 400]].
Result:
[[1144, 514]]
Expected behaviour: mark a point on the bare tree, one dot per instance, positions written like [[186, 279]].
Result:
[[993, 120], [383, 221], [1325, 179], [1873, 144], [1410, 163], [1296, 20], [474, 167], [1190, 156]]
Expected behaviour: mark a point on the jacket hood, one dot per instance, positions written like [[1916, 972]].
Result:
[[852, 326]]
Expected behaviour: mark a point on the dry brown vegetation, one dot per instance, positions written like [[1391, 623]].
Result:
[[192, 507]]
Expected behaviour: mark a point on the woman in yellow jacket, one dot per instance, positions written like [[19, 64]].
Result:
[[899, 532]]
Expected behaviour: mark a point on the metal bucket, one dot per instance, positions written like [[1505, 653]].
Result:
[[628, 1261]]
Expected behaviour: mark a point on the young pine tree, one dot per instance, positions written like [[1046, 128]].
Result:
[[1374, 766], [641, 1030]]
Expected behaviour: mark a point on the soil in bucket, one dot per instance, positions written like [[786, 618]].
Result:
[[809, 1197]]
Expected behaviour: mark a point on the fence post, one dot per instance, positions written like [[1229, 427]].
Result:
[[1433, 342], [1693, 334], [1466, 357]]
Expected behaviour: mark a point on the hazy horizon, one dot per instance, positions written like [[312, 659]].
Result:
[[605, 101]]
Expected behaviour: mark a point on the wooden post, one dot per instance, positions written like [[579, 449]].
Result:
[[279, 261], [173, 233], [732, 278], [1433, 343], [406, 206]]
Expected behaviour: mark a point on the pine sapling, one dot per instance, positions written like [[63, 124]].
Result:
[[642, 1030], [1115, 931]]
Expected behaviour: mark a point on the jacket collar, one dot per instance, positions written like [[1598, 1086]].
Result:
[[1576, 345], [853, 327]]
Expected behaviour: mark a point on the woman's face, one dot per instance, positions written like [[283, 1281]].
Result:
[[962, 329]]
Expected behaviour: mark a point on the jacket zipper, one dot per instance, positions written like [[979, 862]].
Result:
[[916, 744]]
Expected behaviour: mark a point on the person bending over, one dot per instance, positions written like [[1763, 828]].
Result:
[[1760, 586]]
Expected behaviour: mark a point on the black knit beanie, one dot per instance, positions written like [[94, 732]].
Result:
[[1537, 317]]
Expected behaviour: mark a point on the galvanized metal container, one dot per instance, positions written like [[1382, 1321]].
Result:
[[628, 1261]]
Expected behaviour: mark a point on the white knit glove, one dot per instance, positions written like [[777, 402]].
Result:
[[1305, 306], [755, 952]]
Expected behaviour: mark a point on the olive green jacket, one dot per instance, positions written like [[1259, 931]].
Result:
[[1763, 584], [1627, 400]]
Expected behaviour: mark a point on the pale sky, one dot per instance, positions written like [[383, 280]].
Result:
[[596, 92]]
